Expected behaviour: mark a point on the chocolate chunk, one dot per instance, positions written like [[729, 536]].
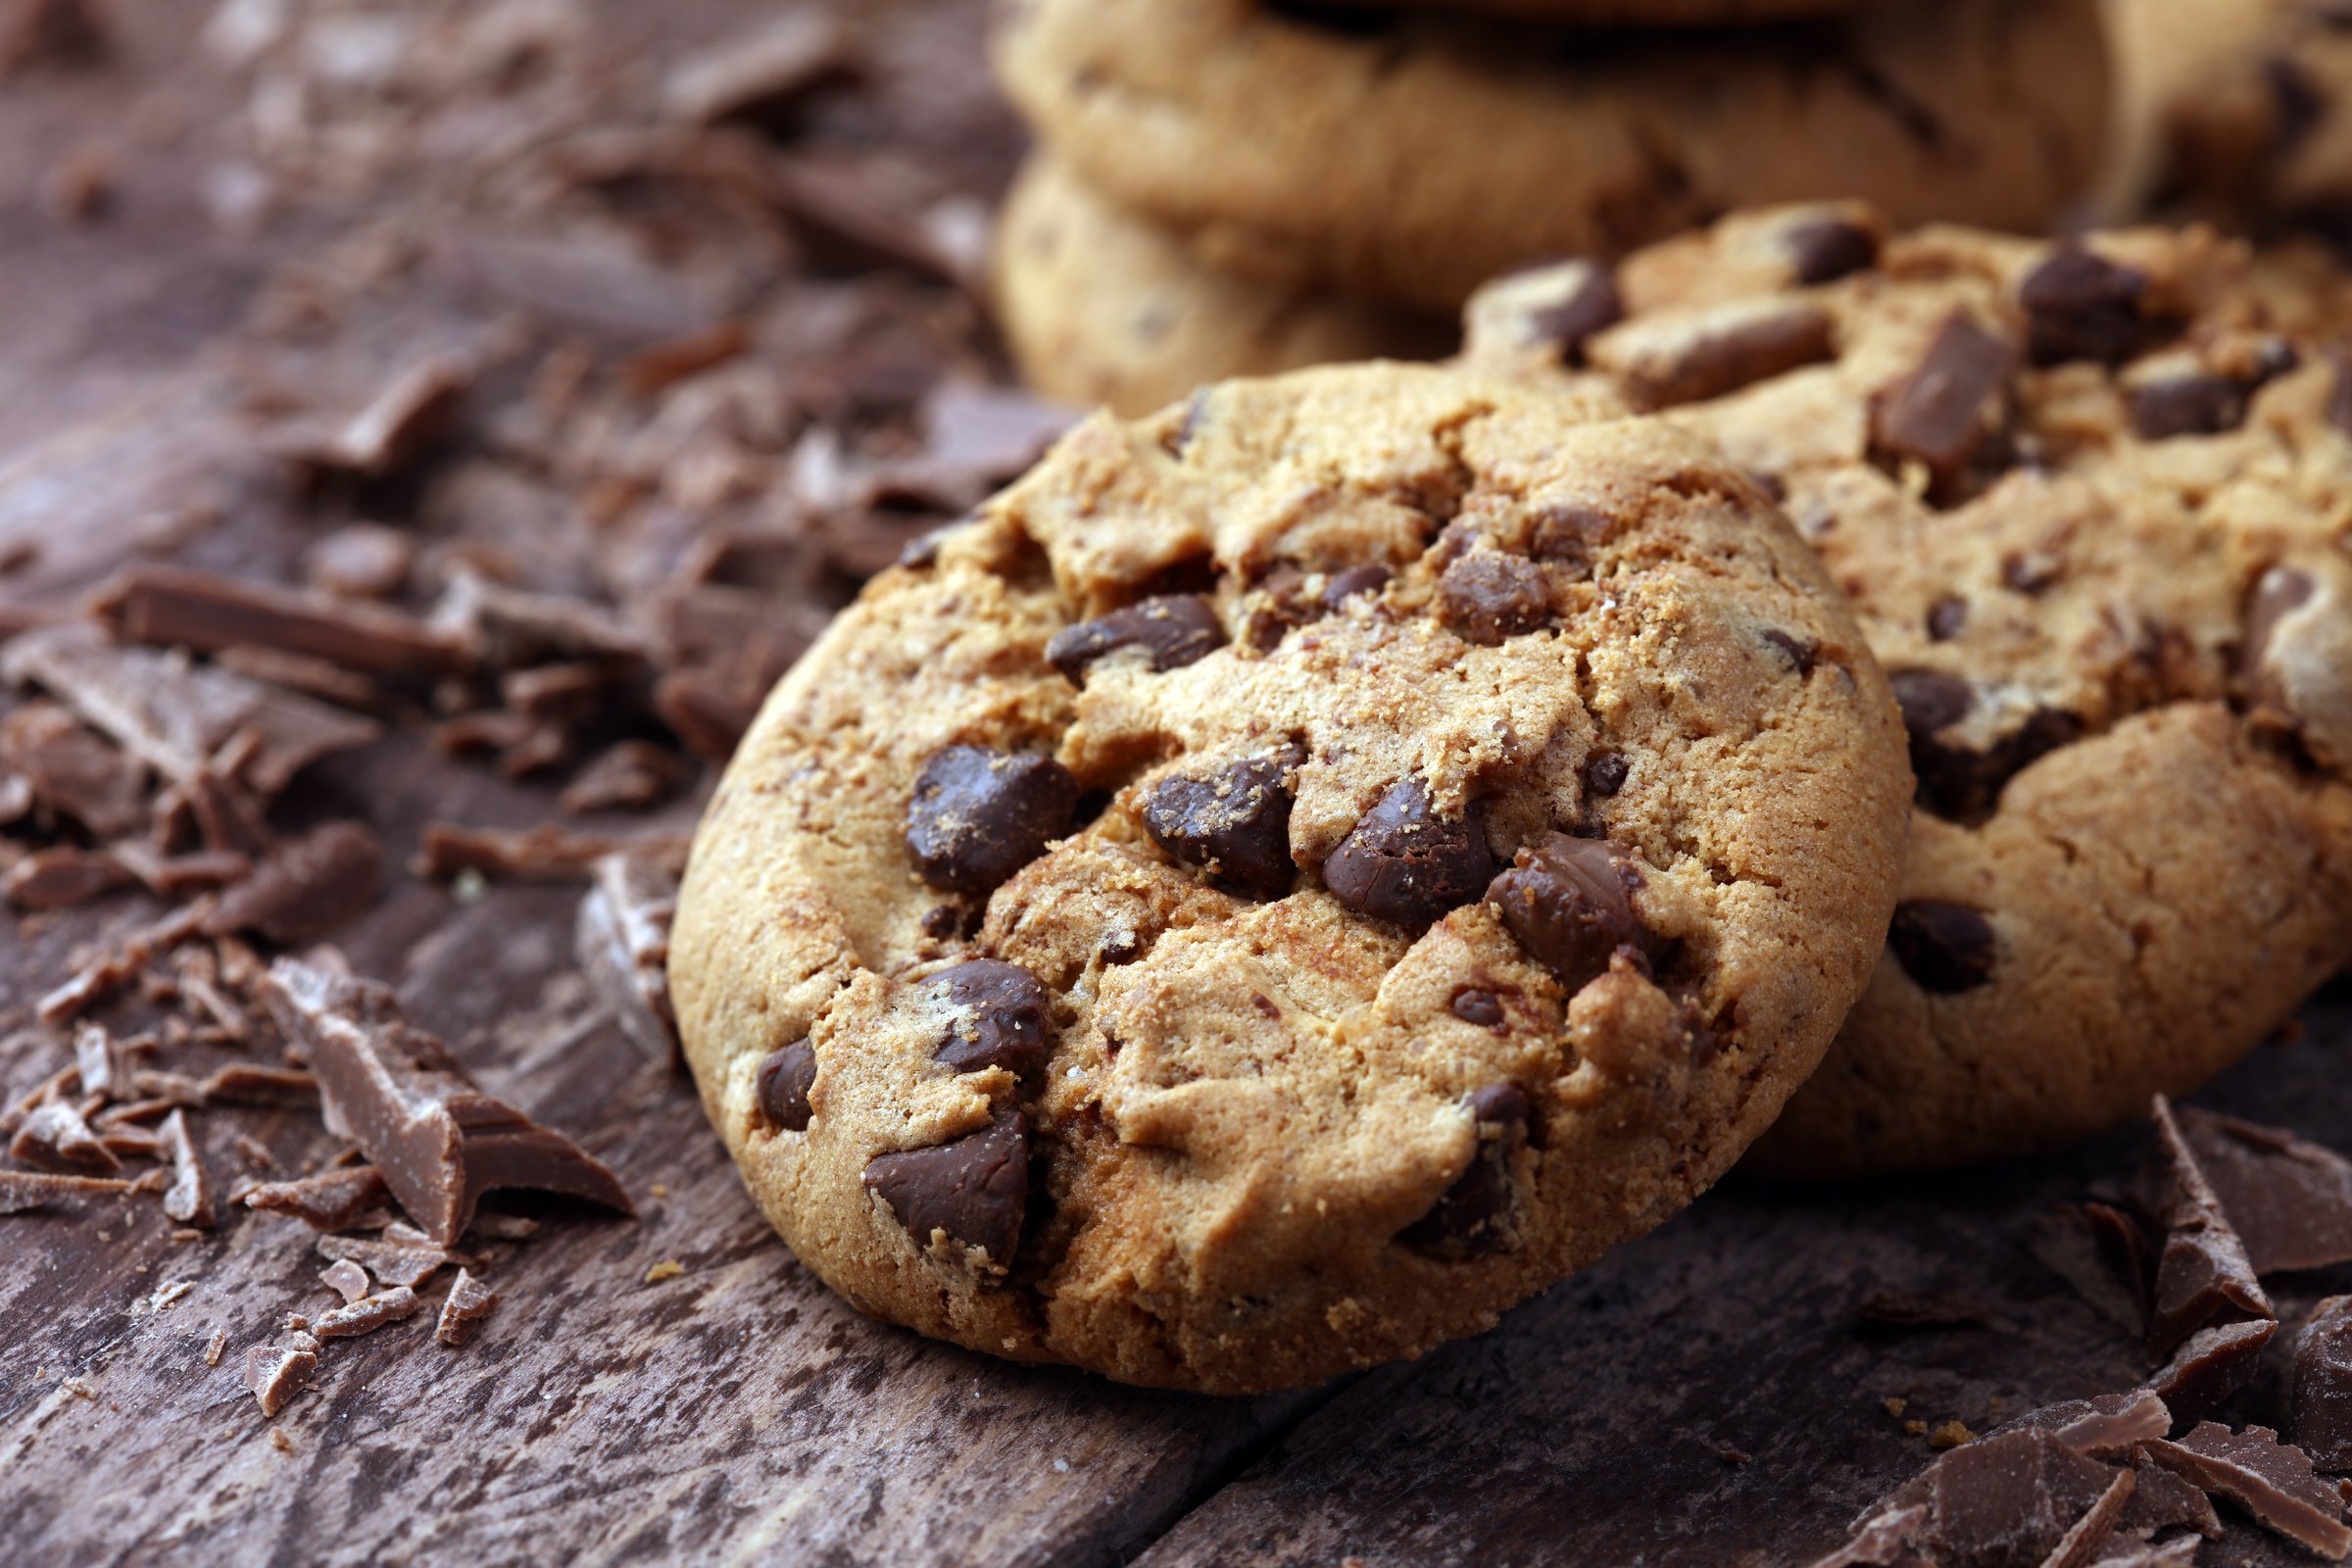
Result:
[[2271, 1480], [2203, 1277], [1487, 596], [1475, 1215], [786, 1075], [1480, 1007], [1351, 583], [275, 1373], [439, 1141], [978, 815], [621, 940], [973, 1189], [367, 1314], [2211, 1365], [1720, 350], [1605, 772], [1800, 652], [306, 887], [470, 1301], [2107, 1425], [331, 1200], [1944, 948], [2289, 1201], [173, 607], [1821, 250], [2080, 306], [189, 1198], [1943, 410], [2322, 1387], [1000, 1017], [1586, 300], [1236, 824], [1570, 903], [1946, 617], [2195, 403], [2009, 1498], [1403, 862], [1173, 630]]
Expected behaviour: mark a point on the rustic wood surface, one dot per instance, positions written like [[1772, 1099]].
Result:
[[1706, 1395]]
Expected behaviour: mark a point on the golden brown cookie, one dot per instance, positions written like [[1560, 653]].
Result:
[[2094, 504], [1100, 307], [1413, 157], [1295, 875]]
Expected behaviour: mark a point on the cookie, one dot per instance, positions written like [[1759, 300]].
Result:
[[1100, 307], [2092, 501], [1411, 158], [1292, 876]]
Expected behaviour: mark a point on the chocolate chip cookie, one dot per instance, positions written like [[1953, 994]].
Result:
[[2092, 501], [1410, 156], [1291, 877], [1100, 307]]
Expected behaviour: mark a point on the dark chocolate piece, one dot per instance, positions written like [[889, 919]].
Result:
[[1570, 903], [2288, 1199], [306, 887], [1235, 823], [2322, 1399], [439, 1141], [978, 815], [1475, 1215], [1171, 631], [2271, 1480], [1403, 862], [1944, 948], [621, 940], [785, 1077], [173, 607], [470, 1301], [2203, 1277], [1000, 1017], [972, 1190]]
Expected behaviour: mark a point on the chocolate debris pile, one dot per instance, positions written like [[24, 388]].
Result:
[[2132, 1477], [591, 387]]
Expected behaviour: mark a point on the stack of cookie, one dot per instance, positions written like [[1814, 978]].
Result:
[[1235, 187]]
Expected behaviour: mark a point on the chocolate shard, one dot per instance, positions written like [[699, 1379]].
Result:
[[977, 815], [1570, 903], [275, 1373], [367, 1314], [2107, 1425], [2323, 1389], [306, 887], [2211, 1365], [24, 1190], [2010, 1497], [331, 1200], [189, 1198], [468, 1303], [1167, 632], [176, 717], [1403, 862], [1941, 413], [2290, 1199], [786, 1076], [998, 1017], [972, 1190], [173, 607], [2271, 1480], [622, 942], [54, 1137], [1477, 1213], [1235, 823], [439, 1141], [2203, 1277]]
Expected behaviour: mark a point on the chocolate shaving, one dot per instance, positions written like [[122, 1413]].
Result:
[[275, 1373], [331, 1200], [22, 1191], [544, 854], [395, 1263], [622, 943], [2271, 1480], [439, 1141], [189, 1198], [173, 607], [366, 1315], [346, 1279], [55, 1138], [469, 1302], [60, 878], [306, 887], [2289, 1201]]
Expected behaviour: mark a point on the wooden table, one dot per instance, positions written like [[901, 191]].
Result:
[[1706, 1395]]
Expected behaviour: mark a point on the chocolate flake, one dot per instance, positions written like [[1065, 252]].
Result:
[[978, 815], [366, 1315], [306, 887], [2271, 1480], [346, 1279], [2288, 1199], [189, 1198], [622, 942], [174, 606], [971, 1190], [275, 1373], [439, 1141], [1570, 904], [468, 1303], [1403, 862], [2322, 1386]]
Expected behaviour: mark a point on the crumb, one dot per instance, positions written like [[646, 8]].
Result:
[[1896, 1405], [666, 1269], [1951, 1435]]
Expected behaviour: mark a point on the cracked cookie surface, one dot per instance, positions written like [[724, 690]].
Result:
[[1410, 157], [1295, 875], [2092, 501]]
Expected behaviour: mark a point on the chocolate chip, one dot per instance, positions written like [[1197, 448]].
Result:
[[2082, 307], [1946, 617], [1487, 596], [1347, 585], [978, 815], [1941, 413], [785, 1077], [1570, 904], [1605, 772], [1236, 824], [1000, 1017], [1480, 1007], [1472, 1218], [1403, 862], [1800, 652], [1823, 250], [1174, 629], [2197, 402], [1589, 303], [1944, 948], [974, 1189]]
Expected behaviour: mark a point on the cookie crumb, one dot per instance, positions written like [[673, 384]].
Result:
[[1951, 1435], [668, 1270]]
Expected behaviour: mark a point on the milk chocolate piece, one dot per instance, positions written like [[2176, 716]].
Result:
[[275, 1373], [331, 1200], [2289, 1201], [173, 607], [469, 1302], [622, 943], [2271, 1480], [2203, 1277], [2322, 1425], [2211, 1365], [439, 1141], [189, 1198], [367, 1314]]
